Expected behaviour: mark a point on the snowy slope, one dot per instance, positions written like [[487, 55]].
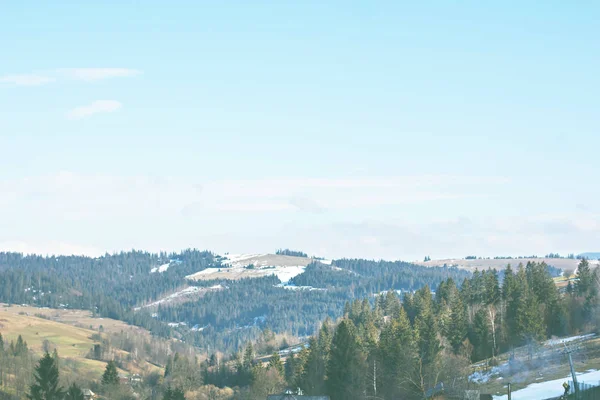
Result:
[[187, 292], [235, 266]]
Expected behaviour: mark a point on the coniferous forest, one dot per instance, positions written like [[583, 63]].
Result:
[[376, 329]]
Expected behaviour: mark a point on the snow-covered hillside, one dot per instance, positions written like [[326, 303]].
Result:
[[238, 266]]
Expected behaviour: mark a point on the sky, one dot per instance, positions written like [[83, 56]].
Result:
[[381, 129]]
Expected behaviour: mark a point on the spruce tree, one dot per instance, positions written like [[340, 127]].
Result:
[[173, 394], [481, 336], [20, 349], [46, 381], [111, 375], [457, 331], [584, 278], [169, 367], [74, 393], [313, 376], [346, 366], [492, 287], [396, 357], [275, 363]]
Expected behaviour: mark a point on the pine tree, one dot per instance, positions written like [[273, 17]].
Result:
[[74, 393], [169, 367], [457, 331], [492, 287], [429, 345], [46, 385], [346, 366], [312, 381], [173, 394], [248, 356], [481, 336], [392, 304], [20, 349], [275, 362], [396, 357], [509, 284], [584, 278], [1, 344], [111, 375]]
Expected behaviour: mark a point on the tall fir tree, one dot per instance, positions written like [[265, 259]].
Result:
[[457, 331], [276, 363], [346, 367], [111, 375], [46, 384], [397, 354], [74, 393]]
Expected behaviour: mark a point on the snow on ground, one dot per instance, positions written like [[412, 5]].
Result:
[[550, 389], [291, 286], [555, 342], [484, 377], [164, 267], [185, 292], [207, 271], [235, 267], [241, 260], [285, 274], [161, 268]]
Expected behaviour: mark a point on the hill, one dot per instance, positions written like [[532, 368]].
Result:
[[73, 334], [211, 301], [501, 263]]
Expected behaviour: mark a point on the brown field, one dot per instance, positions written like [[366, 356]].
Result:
[[66, 330]]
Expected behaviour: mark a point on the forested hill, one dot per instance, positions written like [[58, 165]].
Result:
[[221, 314]]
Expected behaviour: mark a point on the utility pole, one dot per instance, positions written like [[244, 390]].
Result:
[[509, 391], [569, 351]]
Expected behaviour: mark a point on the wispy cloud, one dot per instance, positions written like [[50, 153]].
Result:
[[96, 74], [26, 79], [98, 106]]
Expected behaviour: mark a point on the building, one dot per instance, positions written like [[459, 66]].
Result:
[[88, 394]]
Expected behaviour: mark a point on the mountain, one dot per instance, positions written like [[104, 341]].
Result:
[[208, 300]]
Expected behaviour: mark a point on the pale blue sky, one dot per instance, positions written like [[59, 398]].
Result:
[[374, 129]]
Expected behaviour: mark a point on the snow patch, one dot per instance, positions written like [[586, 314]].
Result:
[[285, 274], [485, 376], [550, 389], [164, 267], [555, 342], [185, 292], [291, 286]]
